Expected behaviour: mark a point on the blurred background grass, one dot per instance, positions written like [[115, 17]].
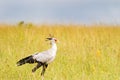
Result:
[[84, 53]]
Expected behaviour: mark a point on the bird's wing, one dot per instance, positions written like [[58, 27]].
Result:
[[42, 56]]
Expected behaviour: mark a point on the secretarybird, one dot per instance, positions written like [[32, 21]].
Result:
[[41, 58]]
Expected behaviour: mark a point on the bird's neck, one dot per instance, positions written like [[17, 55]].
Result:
[[54, 46]]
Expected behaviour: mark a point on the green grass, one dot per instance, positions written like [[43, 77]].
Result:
[[84, 53]]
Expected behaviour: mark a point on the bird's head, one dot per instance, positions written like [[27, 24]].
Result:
[[52, 39]]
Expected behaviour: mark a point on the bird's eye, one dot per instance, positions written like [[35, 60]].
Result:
[[55, 40]]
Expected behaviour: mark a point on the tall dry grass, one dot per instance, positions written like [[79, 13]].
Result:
[[84, 53]]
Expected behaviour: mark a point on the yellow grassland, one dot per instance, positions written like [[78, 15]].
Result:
[[84, 52]]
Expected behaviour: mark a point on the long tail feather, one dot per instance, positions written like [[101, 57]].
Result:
[[28, 59]]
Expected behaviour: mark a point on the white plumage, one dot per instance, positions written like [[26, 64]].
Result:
[[46, 56], [41, 58]]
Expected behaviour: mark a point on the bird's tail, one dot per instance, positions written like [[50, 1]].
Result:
[[28, 59]]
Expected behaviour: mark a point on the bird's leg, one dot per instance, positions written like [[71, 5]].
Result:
[[43, 70], [42, 77], [36, 67]]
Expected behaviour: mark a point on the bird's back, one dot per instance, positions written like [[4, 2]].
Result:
[[44, 57]]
